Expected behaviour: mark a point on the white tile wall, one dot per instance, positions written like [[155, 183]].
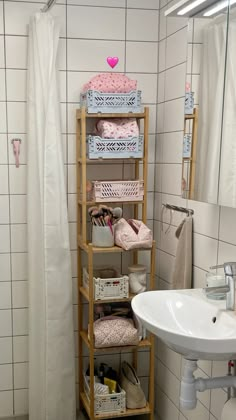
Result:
[[148, 53], [142, 25], [6, 403], [102, 24], [91, 30], [214, 227], [5, 350], [3, 148]]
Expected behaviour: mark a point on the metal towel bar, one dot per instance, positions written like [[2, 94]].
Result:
[[189, 212]]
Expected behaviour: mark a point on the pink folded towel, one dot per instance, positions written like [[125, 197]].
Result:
[[111, 83], [117, 128]]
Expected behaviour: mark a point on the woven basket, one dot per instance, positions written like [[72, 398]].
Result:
[[115, 191], [99, 148], [110, 403], [96, 101], [107, 288]]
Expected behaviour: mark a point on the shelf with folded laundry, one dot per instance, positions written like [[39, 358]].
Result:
[[141, 345], [115, 326]]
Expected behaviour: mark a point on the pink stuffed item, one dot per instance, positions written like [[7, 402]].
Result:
[[112, 331], [132, 234], [111, 83], [120, 128]]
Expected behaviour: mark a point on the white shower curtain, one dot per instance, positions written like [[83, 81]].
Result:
[[51, 336], [210, 112]]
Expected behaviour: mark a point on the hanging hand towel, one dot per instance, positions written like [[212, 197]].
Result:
[[182, 275]]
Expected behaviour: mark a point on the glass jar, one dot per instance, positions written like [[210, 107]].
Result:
[[137, 278], [215, 280]]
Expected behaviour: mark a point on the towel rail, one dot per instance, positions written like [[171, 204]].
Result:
[[48, 5], [189, 212]]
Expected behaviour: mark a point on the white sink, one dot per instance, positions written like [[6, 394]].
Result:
[[189, 323]]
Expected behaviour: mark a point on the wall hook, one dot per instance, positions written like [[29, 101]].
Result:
[[16, 150]]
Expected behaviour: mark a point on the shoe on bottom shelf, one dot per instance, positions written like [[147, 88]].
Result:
[[130, 383]]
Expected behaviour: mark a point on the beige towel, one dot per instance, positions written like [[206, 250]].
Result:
[[182, 275]]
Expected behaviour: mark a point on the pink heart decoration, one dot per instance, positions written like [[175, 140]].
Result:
[[112, 61]]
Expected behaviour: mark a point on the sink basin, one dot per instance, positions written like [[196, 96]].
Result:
[[189, 323]]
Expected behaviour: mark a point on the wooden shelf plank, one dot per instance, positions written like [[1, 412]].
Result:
[[142, 344], [93, 203], [113, 161], [190, 116], [85, 293], [97, 250], [128, 412], [111, 115], [112, 249]]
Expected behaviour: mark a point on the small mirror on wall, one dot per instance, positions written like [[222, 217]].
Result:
[[204, 107], [209, 143]]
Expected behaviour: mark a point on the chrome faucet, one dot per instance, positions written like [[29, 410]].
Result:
[[229, 288]]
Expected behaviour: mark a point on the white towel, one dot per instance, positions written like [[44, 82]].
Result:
[[182, 274]]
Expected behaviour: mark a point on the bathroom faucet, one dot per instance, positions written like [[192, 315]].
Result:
[[229, 288]]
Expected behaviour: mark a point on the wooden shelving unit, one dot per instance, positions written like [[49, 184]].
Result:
[[84, 246], [192, 159]]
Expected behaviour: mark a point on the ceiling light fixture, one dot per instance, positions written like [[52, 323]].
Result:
[[190, 7], [219, 7], [198, 8]]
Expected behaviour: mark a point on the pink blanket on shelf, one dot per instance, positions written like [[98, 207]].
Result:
[[111, 83], [117, 128]]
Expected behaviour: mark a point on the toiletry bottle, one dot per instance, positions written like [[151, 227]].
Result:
[[95, 371]]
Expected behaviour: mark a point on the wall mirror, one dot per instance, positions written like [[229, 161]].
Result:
[[209, 144]]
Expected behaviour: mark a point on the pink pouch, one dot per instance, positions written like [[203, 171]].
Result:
[[117, 128], [111, 331], [132, 234], [111, 83]]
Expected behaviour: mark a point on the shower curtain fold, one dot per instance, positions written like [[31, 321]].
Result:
[[51, 333]]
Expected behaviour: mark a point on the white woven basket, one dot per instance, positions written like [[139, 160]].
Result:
[[110, 403], [109, 288]]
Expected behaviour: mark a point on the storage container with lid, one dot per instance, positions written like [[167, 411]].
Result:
[[137, 278]]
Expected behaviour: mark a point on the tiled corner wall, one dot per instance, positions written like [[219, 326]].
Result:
[[214, 226], [91, 30]]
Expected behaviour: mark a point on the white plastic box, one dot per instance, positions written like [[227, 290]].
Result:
[[114, 287], [110, 403], [96, 101], [126, 148], [116, 191]]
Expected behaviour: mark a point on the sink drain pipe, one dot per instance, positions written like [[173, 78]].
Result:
[[190, 385]]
